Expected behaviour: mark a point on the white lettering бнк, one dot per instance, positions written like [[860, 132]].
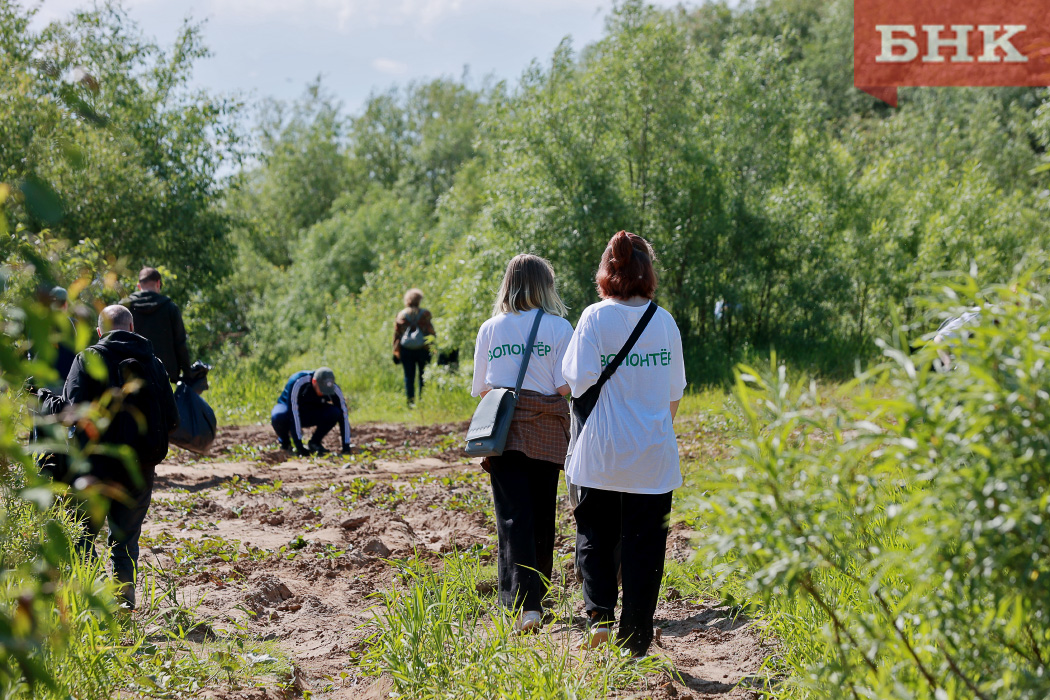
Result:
[[891, 42]]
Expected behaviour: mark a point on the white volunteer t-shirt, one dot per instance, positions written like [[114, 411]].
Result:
[[628, 443], [501, 346]]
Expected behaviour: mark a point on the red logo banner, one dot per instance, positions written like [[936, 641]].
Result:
[[929, 43]]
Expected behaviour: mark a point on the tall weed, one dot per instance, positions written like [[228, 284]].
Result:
[[437, 637]]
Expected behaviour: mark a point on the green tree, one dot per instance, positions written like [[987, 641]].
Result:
[[138, 170], [302, 168]]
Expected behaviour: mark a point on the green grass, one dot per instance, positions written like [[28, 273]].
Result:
[[709, 424], [241, 394], [435, 636], [201, 555]]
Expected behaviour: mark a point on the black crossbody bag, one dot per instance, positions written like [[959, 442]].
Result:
[[583, 406], [487, 434]]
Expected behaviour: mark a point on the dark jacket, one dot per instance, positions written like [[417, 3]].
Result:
[[299, 395], [159, 320], [404, 320], [81, 387], [64, 359]]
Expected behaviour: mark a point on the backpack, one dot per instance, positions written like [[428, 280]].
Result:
[[413, 337], [139, 422]]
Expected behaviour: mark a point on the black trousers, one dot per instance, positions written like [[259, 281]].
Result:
[[525, 493], [324, 416], [413, 362], [125, 528], [639, 524]]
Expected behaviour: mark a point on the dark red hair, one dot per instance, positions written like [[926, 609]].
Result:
[[627, 268]]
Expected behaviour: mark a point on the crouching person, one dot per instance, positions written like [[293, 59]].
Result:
[[142, 412], [310, 398]]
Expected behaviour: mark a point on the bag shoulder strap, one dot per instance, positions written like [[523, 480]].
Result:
[[415, 321], [628, 346], [528, 351]]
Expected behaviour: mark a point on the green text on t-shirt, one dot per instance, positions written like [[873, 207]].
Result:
[[539, 349], [650, 359]]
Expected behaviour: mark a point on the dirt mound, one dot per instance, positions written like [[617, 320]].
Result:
[[267, 591], [245, 694]]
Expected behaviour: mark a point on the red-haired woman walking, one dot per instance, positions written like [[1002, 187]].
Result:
[[625, 458]]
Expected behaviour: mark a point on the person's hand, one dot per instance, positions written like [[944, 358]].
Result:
[[397, 360], [300, 449]]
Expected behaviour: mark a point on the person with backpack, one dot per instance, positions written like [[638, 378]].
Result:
[[158, 319], [413, 336], [525, 477], [65, 353], [61, 361], [137, 399], [952, 331], [310, 398], [624, 366]]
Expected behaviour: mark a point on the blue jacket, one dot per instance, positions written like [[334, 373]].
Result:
[[299, 394]]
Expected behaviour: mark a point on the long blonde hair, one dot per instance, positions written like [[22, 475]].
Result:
[[528, 284]]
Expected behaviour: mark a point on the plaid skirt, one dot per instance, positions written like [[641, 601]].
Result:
[[540, 427]]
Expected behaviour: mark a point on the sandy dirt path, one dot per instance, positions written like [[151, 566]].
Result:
[[291, 549]]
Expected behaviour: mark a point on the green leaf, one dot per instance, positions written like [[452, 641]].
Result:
[[43, 203]]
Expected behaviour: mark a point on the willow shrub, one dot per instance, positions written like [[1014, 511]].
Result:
[[899, 542]]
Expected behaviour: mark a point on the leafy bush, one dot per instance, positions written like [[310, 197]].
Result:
[[901, 543]]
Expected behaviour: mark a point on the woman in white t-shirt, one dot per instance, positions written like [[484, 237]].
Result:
[[625, 459], [525, 477]]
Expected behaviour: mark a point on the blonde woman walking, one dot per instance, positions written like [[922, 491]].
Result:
[[525, 477]]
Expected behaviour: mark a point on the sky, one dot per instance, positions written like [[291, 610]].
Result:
[[274, 48]]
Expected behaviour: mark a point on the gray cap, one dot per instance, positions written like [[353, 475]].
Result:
[[325, 379], [59, 294]]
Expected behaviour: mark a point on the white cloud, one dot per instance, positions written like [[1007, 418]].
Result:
[[346, 14], [389, 66], [419, 14], [56, 10]]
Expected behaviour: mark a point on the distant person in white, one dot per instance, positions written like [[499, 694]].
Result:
[[625, 461], [951, 332], [525, 477]]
